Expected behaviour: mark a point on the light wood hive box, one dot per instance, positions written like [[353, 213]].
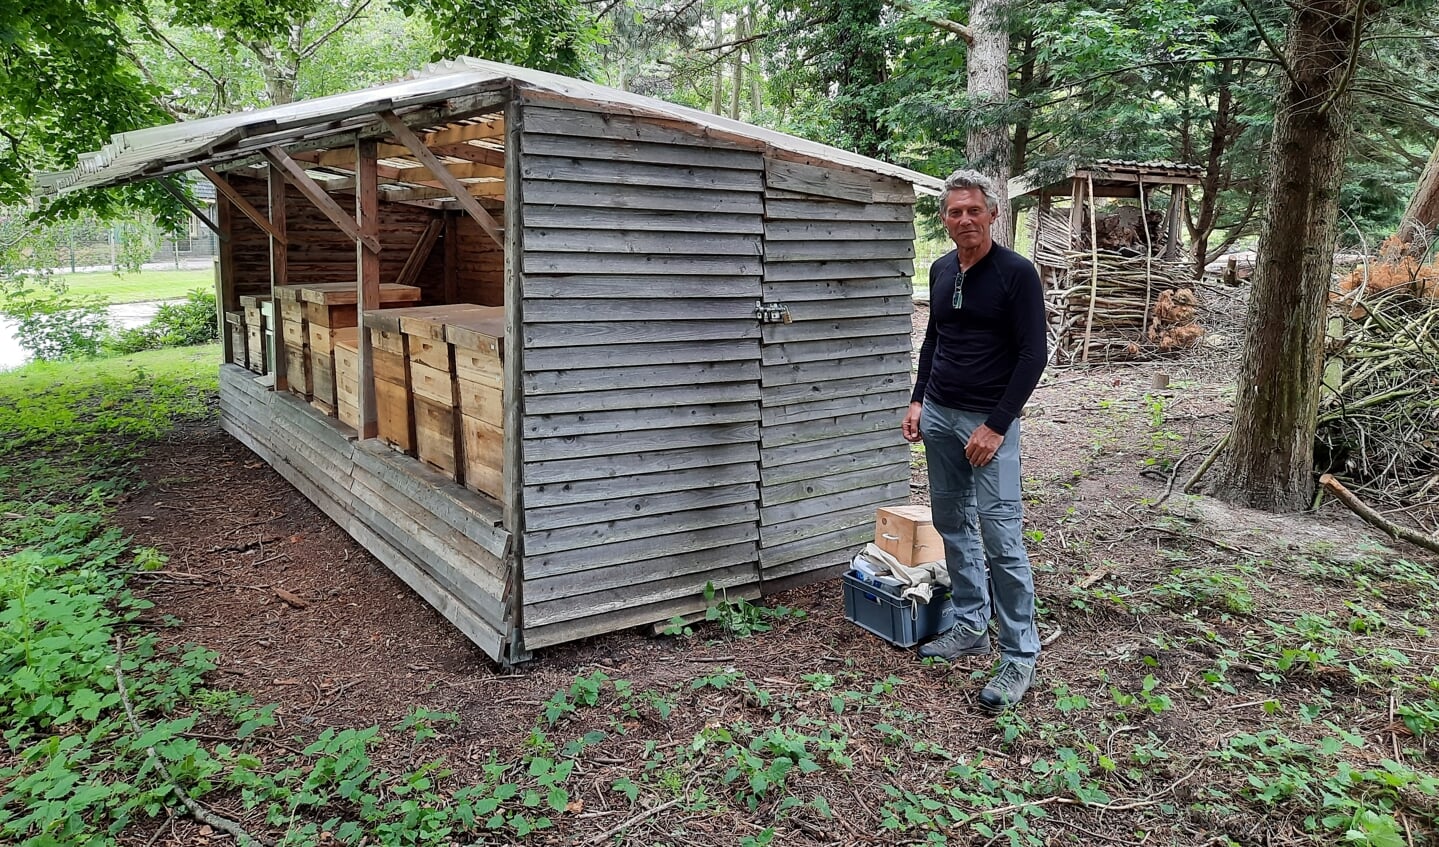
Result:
[[327, 308]]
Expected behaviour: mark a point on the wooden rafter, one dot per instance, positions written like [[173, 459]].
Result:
[[249, 211], [194, 210], [418, 256], [478, 161], [407, 137], [297, 177]]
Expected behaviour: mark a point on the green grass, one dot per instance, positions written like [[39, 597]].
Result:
[[140, 286]]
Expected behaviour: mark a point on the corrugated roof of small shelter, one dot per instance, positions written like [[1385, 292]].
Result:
[[147, 153], [1106, 172]]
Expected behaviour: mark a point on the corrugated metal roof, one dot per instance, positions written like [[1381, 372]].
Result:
[[145, 153], [1109, 172]]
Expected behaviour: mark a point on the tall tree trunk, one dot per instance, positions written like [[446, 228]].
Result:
[[1421, 216], [987, 146], [1215, 169], [1019, 155], [1269, 463]]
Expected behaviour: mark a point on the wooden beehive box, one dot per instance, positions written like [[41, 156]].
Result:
[[394, 424], [255, 316], [295, 338], [432, 384], [477, 340], [235, 328], [347, 376], [328, 307]]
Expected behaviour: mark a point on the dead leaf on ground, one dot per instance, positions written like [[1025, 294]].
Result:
[[293, 600]]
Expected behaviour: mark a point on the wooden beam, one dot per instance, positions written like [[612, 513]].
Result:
[[194, 210], [279, 264], [315, 194], [367, 212], [418, 256], [249, 211], [452, 257], [471, 153], [407, 137]]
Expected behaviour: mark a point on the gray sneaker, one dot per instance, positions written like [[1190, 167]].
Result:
[[1007, 687], [957, 642]]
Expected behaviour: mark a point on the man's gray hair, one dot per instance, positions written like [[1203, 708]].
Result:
[[965, 178]]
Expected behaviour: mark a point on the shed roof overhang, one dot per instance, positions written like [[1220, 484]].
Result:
[[1111, 178], [439, 93]]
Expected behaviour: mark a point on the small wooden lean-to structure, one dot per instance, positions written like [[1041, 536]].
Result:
[[1105, 269], [558, 355]]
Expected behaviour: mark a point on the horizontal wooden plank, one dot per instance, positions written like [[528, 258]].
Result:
[[645, 376], [850, 538], [542, 542], [564, 217], [658, 461], [832, 483], [875, 326], [639, 242], [639, 332], [830, 349], [632, 287], [637, 355], [608, 125], [821, 429], [450, 607], [826, 449], [894, 402], [244, 434], [632, 150], [772, 376], [821, 470], [703, 494], [644, 441], [809, 210], [805, 290], [785, 395], [648, 613], [581, 492], [824, 228], [797, 512], [642, 309], [641, 593], [610, 264], [861, 515], [840, 269], [813, 179], [649, 398], [654, 549], [821, 250], [692, 178], [595, 581], [822, 566], [640, 422], [840, 309], [474, 516], [588, 195]]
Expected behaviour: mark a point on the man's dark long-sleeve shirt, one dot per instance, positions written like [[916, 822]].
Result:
[[989, 354]]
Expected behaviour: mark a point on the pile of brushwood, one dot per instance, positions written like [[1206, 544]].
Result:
[[1379, 418]]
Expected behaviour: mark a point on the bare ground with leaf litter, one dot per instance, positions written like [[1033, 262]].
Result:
[[1211, 676]]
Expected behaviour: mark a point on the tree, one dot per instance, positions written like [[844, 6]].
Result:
[[1269, 463], [1421, 216]]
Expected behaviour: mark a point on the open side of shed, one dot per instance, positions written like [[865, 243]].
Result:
[[703, 359]]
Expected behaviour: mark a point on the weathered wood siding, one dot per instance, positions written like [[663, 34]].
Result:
[[479, 265], [319, 251], [839, 252], [641, 264], [437, 537]]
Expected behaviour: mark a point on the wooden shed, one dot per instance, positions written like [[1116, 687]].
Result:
[[558, 355]]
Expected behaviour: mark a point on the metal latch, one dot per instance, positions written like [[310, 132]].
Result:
[[772, 313]]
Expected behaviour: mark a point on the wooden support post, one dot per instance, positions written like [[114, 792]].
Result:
[[1148, 257], [417, 148], [415, 262], [452, 257], [226, 297], [279, 264], [1177, 197], [513, 363], [1093, 268], [367, 259], [315, 194], [1076, 209], [225, 188]]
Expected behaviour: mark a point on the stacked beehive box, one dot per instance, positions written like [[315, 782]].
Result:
[[347, 375], [477, 339], [327, 309], [257, 316], [235, 330], [295, 338]]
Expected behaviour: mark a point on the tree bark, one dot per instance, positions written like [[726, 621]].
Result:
[[1421, 215], [1270, 460], [987, 146], [1215, 169]]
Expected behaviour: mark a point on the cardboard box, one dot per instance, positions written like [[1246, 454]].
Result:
[[908, 534]]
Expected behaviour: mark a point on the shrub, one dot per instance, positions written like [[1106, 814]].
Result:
[[174, 325], [53, 325]]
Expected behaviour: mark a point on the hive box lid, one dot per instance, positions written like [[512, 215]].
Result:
[[346, 293]]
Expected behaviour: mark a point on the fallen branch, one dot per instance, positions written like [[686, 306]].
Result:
[[198, 812], [640, 818], [1363, 510], [1204, 465], [1173, 475]]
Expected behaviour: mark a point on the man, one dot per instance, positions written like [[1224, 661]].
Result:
[[982, 356]]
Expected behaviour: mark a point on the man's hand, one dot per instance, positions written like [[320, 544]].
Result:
[[982, 445], [910, 427]]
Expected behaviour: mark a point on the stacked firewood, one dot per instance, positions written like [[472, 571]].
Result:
[[1133, 306], [1379, 419]]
